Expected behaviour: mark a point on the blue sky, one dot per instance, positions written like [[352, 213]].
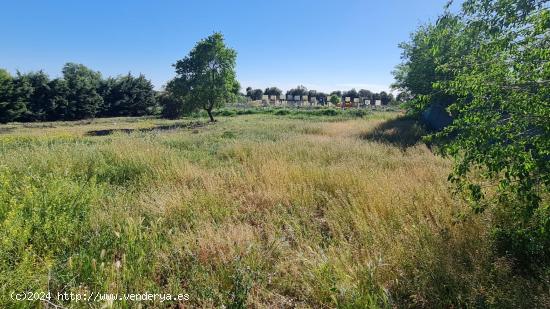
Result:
[[324, 45]]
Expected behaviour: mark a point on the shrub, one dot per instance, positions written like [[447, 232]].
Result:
[[226, 112], [282, 112], [248, 111], [358, 112], [172, 106], [328, 112]]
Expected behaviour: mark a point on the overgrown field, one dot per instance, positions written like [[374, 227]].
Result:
[[262, 210]]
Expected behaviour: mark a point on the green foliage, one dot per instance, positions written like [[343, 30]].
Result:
[[281, 112], [429, 47], [319, 112], [490, 66], [502, 118], [366, 94], [14, 94], [334, 99], [227, 112], [173, 107], [80, 94], [358, 112], [300, 90], [83, 99], [352, 93], [273, 91], [241, 285], [206, 77], [127, 96], [254, 94], [58, 99], [39, 105]]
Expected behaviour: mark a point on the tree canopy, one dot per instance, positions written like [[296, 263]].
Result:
[[83, 99], [127, 96], [299, 90], [489, 65], [273, 91], [206, 77], [351, 93], [12, 100], [254, 94], [80, 93]]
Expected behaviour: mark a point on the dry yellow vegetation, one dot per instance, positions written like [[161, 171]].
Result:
[[254, 210]]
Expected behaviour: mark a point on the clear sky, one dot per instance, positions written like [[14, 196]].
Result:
[[324, 45]]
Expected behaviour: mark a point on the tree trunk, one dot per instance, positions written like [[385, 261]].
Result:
[[209, 111]]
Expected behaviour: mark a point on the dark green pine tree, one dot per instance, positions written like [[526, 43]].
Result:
[[83, 99], [14, 95]]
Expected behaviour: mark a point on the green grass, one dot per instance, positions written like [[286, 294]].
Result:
[[279, 208]]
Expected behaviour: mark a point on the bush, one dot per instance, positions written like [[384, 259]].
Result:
[[172, 107], [525, 238], [328, 112], [248, 111], [358, 112], [226, 112], [282, 112]]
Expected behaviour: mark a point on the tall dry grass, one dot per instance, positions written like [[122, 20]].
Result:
[[260, 211]]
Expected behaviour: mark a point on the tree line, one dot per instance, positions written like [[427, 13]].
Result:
[[384, 97], [205, 79], [80, 93], [488, 66]]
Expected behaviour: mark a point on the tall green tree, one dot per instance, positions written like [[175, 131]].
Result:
[[254, 94], [83, 99], [273, 91], [385, 97], [127, 96], [337, 93], [206, 77], [57, 100], [334, 99], [502, 119], [489, 66], [430, 48], [39, 103], [14, 96], [351, 93], [172, 106], [366, 94], [299, 90], [403, 96]]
